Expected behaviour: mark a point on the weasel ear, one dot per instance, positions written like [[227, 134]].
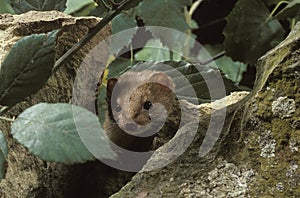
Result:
[[110, 86], [163, 79]]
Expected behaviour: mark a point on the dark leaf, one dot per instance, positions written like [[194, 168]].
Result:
[[249, 33], [27, 67], [291, 10], [38, 5]]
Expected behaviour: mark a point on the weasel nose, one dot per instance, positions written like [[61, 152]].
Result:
[[131, 126]]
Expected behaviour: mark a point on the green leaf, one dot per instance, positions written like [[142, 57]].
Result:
[[100, 11], [232, 70], [168, 13], [291, 10], [54, 132], [5, 7], [40, 5], [27, 67], [107, 3], [124, 21], [117, 66], [3, 155], [75, 5], [155, 51], [249, 33]]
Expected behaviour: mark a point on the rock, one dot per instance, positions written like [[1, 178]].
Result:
[[257, 153]]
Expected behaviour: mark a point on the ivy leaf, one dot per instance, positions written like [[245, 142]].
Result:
[[291, 10], [53, 132], [40, 5], [3, 155], [125, 23], [168, 13], [27, 67], [249, 33]]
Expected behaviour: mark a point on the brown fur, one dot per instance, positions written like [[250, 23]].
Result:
[[131, 90]]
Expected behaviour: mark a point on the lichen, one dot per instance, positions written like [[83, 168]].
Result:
[[283, 107]]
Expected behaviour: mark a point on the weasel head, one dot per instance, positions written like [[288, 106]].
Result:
[[140, 102]]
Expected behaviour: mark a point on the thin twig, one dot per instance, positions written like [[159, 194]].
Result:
[[6, 119], [110, 15], [217, 56]]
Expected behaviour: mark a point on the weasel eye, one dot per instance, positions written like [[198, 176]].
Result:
[[147, 105], [118, 108]]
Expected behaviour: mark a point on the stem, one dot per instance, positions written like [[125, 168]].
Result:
[[293, 23], [105, 4], [194, 7], [188, 18], [238, 72], [211, 23], [277, 6], [6, 119], [217, 56], [110, 15], [4, 110], [131, 54], [171, 55]]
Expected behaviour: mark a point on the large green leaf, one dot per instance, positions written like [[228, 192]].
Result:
[[291, 10], [27, 67], [38, 5], [5, 7], [53, 132], [168, 13], [249, 33], [3, 155]]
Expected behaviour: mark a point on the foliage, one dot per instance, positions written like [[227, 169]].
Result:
[[49, 130], [41, 5], [5, 7], [250, 34], [27, 67], [290, 10]]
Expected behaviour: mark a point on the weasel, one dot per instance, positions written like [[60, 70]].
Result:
[[139, 105]]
